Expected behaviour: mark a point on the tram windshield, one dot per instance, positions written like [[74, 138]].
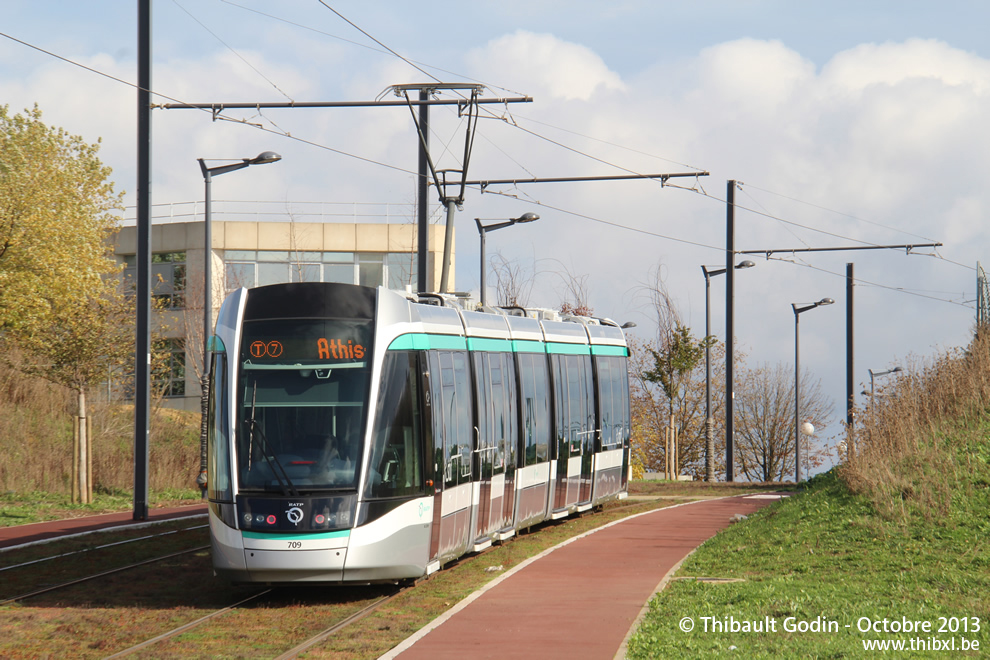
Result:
[[302, 394]]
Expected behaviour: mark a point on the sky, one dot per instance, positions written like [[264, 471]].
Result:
[[844, 124]]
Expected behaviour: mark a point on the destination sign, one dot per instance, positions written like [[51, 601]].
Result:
[[306, 342]]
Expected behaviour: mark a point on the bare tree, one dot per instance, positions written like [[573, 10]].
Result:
[[764, 434], [575, 295], [513, 281]]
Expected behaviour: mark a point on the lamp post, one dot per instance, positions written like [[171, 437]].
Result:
[[797, 381], [873, 374], [709, 423], [484, 229], [208, 174]]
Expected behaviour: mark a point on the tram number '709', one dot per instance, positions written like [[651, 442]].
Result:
[[295, 545]]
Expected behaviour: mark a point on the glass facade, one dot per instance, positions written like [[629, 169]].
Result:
[[251, 268]]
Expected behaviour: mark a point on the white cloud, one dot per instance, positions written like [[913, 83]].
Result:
[[543, 65]]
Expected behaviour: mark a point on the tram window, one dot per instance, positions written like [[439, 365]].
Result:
[[504, 408], [462, 414], [438, 410], [560, 400], [499, 426], [620, 382], [483, 423], [541, 395], [605, 400], [452, 414], [396, 455], [575, 413], [218, 438]]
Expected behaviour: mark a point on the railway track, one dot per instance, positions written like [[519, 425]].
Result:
[[170, 605], [346, 619]]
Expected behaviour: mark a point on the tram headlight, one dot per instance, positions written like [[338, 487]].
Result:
[[248, 518]]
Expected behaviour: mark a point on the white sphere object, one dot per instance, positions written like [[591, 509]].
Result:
[[808, 428]]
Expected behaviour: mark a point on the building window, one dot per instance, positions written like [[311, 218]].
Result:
[[250, 268], [168, 278], [169, 367]]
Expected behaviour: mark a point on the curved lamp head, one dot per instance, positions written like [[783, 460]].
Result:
[[264, 157], [527, 217], [826, 301], [745, 264]]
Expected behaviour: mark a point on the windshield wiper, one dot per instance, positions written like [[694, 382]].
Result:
[[288, 488]]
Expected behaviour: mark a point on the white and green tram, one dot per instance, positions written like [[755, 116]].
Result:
[[359, 435]]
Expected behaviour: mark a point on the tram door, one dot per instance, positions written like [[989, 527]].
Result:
[[450, 394], [575, 429], [495, 425]]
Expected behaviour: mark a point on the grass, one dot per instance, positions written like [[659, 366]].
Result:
[[824, 555], [897, 533], [36, 441], [26, 508], [699, 489]]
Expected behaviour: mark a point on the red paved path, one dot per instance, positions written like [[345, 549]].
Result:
[[19, 534], [580, 600]]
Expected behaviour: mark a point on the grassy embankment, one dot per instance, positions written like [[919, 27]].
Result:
[[899, 532], [36, 421]]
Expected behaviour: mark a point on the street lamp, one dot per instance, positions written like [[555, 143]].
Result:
[[797, 382], [208, 174], [709, 423], [880, 373], [483, 229]]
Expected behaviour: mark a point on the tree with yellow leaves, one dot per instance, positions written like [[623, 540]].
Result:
[[60, 302]]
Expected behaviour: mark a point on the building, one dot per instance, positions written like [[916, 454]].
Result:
[[255, 253]]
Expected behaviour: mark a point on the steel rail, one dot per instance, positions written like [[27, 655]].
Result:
[[354, 618], [98, 547], [187, 626], [99, 575]]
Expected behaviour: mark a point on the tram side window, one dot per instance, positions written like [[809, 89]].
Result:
[[218, 438], [396, 455], [451, 384], [504, 407], [613, 396], [534, 388], [461, 414], [575, 414], [560, 403], [484, 409], [605, 400], [620, 387]]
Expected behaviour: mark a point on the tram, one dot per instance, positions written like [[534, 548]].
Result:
[[361, 435]]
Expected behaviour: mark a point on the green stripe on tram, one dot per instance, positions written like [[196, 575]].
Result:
[[301, 536], [567, 349], [619, 351], [490, 345], [418, 341], [528, 346]]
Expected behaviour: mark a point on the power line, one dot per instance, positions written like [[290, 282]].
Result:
[[825, 208], [206, 108], [241, 57], [365, 46], [610, 223], [284, 134], [365, 33], [419, 68], [611, 144], [910, 292]]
